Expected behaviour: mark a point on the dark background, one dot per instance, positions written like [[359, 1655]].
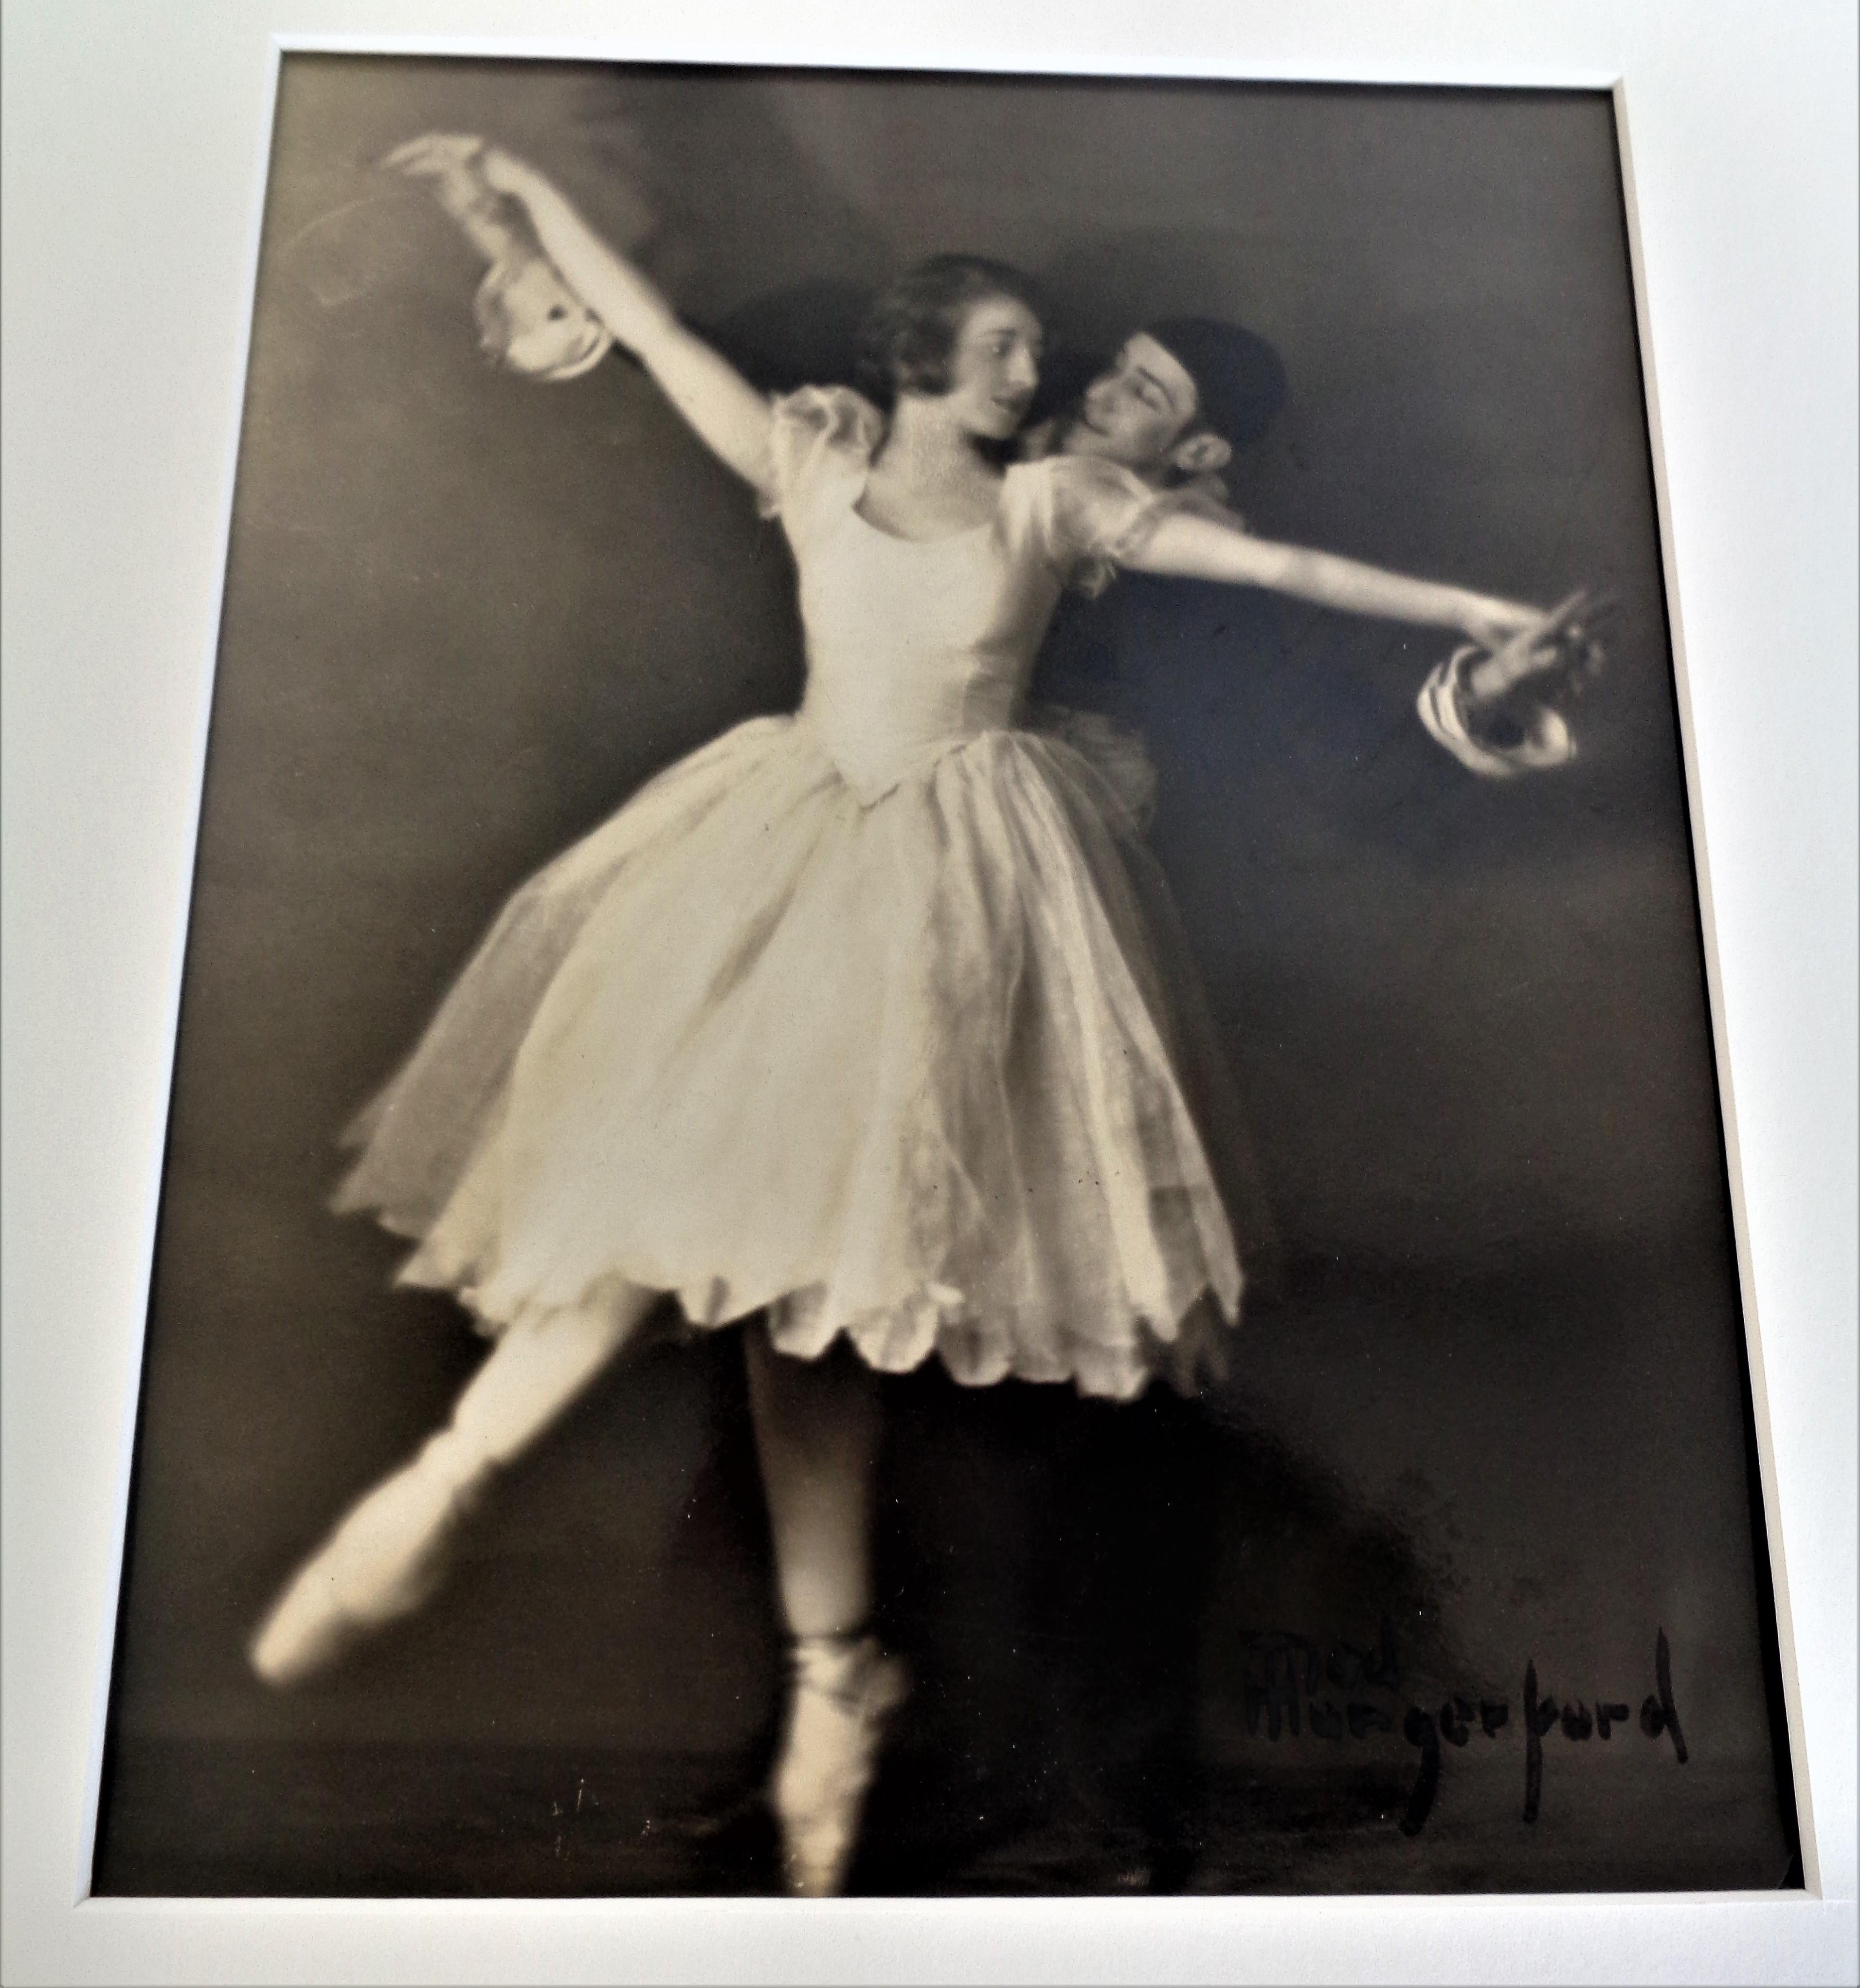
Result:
[[1490, 1386]]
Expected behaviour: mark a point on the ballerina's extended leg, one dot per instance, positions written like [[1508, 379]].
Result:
[[817, 1429], [387, 1556]]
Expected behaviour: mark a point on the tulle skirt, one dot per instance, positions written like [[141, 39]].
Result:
[[931, 1073]]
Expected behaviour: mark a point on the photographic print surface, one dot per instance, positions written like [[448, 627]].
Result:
[[1453, 1579]]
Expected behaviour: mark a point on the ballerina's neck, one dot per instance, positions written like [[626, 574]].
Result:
[[927, 478]]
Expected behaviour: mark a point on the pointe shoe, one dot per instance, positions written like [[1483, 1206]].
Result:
[[845, 1689], [381, 1562]]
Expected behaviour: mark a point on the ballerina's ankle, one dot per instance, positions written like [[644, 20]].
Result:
[[838, 1663]]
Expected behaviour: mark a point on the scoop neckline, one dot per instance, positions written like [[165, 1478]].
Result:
[[942, 538]]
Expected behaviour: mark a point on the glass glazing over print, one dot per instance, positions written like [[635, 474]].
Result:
[[1015, 898]]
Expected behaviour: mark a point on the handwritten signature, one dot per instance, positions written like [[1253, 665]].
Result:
[[1278, 1663]]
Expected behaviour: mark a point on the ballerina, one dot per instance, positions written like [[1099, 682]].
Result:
[[852, 1029]]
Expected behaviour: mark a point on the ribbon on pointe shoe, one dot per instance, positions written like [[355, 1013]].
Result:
[[845, 1688]]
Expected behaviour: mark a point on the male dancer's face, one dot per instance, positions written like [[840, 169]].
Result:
[[1136, 413]]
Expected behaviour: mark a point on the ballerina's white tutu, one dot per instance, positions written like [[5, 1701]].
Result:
[[875, 1015]]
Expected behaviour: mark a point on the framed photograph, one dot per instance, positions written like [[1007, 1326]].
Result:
[[951, 1119]]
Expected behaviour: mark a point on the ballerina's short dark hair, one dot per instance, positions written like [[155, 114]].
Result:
[[909, 332]]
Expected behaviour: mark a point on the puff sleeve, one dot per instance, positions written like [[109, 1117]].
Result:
[[1089, 516], [820, 449]]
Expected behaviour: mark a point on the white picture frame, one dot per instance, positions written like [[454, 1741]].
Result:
[[135, 155]]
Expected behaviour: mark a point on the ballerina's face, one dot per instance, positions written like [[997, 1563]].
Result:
[[1136, 413], [993, 368]]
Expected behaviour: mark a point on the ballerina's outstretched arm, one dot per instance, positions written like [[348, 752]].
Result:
[[1195, 545], [730, 417]]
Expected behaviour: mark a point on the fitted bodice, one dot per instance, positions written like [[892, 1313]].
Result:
[[915, 645]]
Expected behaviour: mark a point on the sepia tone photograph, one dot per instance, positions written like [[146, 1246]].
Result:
[[944, 1119]]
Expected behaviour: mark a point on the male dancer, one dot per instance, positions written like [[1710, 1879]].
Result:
[[1172, 407]]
